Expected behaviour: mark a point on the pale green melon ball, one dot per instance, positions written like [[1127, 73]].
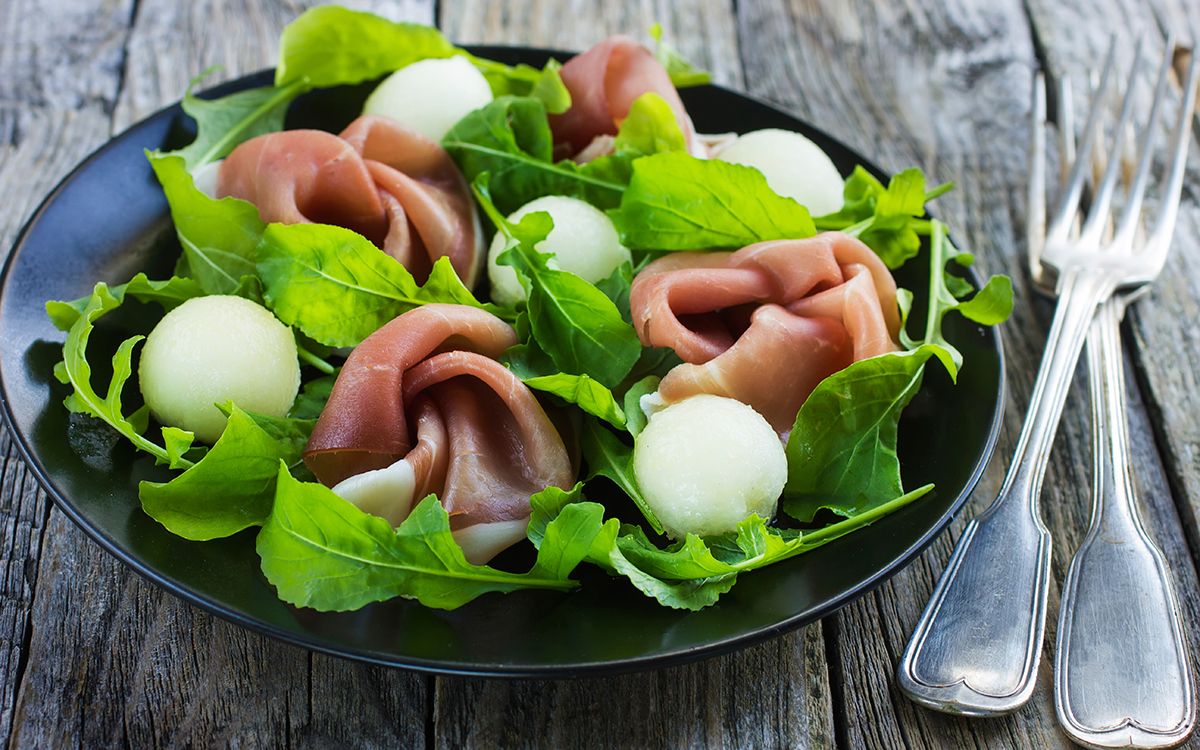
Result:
[[706, 463], [584, 242], [212, 349], [431, 95], [794, 166]]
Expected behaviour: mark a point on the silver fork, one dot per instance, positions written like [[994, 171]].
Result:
[[976, 648], [1122, 676]]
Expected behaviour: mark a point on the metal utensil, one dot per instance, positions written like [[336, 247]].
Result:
[[1122, 676], [976, 648]]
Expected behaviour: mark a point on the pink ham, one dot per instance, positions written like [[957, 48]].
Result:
[[426, 389], [604, 83], [382, 179], [766, 324]]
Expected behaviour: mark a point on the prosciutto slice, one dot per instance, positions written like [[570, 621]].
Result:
[[604, 82], [380, 178], [766, 324], [422, 406]]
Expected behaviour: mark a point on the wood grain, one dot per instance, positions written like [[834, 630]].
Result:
[[23, 511], [706, 704], [703, 31], [60, 81], [90, 655]]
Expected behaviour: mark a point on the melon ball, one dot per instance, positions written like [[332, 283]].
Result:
[[706, 463], [431, 95], [794, 166], [212, 349], [584, 242]]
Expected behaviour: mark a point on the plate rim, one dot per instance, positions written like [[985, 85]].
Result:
[[477, 669]]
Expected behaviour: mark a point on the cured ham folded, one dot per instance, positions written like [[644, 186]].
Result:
[[604, 82], [766, 324], [380, 178], [421, 406]]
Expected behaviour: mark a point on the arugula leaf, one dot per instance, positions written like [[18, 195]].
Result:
[[510, 140], [605, 552], [693, 573], [989, 306], [888, 220], [607, 456], [313, 396], [693, 594], [219, 237], [320, 551], [338, 288], [233, 486], [572, 320], [549, 89], [224, 123], [582, 391], [649, 128], [678, 202], [170, 294], [331, 46], [77, 371], [528, 360], [842, 450], [682, 72], [616, 287], [635, 418]]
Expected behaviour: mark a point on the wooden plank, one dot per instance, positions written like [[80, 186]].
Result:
[[173, 43], [114, 660], [61, 77], [703, 32], [23, 510], [772, 695]]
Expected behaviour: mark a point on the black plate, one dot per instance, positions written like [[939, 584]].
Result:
[[109, 220]]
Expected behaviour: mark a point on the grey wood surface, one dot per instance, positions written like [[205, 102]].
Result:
[[93, 656]]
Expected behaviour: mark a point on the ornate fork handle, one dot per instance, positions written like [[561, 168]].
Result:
[[975, 650], [1122, 677]]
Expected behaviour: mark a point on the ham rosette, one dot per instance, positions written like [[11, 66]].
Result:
[[380, 178], [421, 406], [604, 82], [766, 324]]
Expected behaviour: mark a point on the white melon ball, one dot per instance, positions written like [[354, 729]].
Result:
[[584, 242], [706, 463], [431, 95], [212, 349], [794, 166]]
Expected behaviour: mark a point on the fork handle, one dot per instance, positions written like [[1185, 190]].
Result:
[[976, 648], [1122, 677]]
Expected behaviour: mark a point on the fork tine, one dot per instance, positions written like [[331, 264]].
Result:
[[1137, 191], [1160, 239], [1066, 126], [1061, 224], [1098, 214], [1035, 227]]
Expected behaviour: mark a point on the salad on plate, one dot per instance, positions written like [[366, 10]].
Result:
[[399, 350]]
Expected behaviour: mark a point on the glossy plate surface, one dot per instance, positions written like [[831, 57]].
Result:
[[109, 219]]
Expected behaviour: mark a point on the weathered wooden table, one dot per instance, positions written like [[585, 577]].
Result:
[[91, 655]]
